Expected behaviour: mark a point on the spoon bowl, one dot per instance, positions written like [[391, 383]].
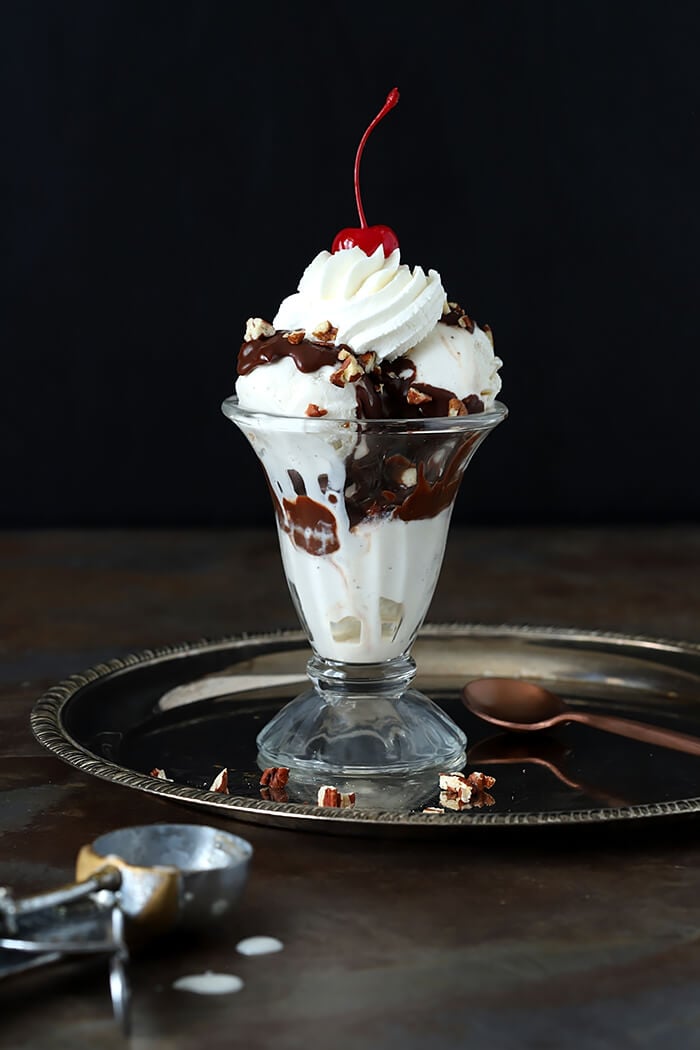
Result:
[[513, 703]]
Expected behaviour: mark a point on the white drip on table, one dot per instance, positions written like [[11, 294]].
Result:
[[259, 946], [209, 983]]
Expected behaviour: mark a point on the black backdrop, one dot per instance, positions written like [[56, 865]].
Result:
[[171, 167]]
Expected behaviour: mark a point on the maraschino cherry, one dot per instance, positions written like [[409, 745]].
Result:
[[363, 236]]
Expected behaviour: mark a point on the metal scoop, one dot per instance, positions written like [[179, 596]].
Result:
[[132, 883]]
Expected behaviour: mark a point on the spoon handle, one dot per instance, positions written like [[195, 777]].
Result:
[[639, 731]]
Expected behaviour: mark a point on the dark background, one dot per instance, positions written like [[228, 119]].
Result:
[[170, 169]]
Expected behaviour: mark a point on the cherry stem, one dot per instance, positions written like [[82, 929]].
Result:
[[391, 100]]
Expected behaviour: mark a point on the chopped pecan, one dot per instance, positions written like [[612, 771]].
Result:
[[314, 411], [481, 781], [408, 477], [328, 796], [417, 397], [452, 314], [465, 321], [487, 329], [220, 783], [454, 803], [368, 360], [256, 328], [295, 337], [274, 776], [348, 370], [458, 791], [455, 407], [332, 798], [455, 787], [159, 774], [325, 332], [397, 466]]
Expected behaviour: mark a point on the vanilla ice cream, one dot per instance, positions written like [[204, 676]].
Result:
[[461, 354]]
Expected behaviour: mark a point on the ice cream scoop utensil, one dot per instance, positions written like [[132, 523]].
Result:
[[172, 874], [515, 704], [142, 880]]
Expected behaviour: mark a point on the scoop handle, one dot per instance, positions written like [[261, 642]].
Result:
[[647, 734]]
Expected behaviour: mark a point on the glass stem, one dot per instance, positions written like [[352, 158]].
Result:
[[334, 678]]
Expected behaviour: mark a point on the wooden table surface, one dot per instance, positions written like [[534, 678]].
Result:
[[582, 940]]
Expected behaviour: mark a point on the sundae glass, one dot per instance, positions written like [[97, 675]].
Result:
[[364, 400]]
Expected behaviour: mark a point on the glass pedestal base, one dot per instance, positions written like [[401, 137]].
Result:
[[361, 720]]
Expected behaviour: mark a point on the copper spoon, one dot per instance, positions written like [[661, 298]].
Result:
[[512, 703]]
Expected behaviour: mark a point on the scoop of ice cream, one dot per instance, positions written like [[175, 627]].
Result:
[[376, 304], [286, 374], [459, 359], [346, 346], [281, 389]]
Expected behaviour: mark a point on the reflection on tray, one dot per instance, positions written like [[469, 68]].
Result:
[[212, 687], [389, 794], [508, 748]]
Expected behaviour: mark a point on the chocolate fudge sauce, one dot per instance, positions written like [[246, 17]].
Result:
[[307, 355], [311, 526], [380, 394], [416, 485], [398, 378]]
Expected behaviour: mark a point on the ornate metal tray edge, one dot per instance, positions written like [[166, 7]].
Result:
[[49, 731]]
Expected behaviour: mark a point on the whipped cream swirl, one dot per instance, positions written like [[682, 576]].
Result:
[[376, 303]]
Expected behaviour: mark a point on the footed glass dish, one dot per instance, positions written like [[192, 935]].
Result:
[[363, 509]]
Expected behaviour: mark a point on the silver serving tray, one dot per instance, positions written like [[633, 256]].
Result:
[[194, 709]]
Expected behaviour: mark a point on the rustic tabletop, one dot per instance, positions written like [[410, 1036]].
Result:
[[580, 938]]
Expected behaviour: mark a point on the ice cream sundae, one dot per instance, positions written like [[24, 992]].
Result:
[[362, 532], [364, 397]]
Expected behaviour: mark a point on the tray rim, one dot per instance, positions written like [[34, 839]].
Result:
[[50, 732]]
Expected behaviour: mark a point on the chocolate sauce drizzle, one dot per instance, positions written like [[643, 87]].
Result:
[[311, 526], [380, 394], [398, 377], [307, 355]]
